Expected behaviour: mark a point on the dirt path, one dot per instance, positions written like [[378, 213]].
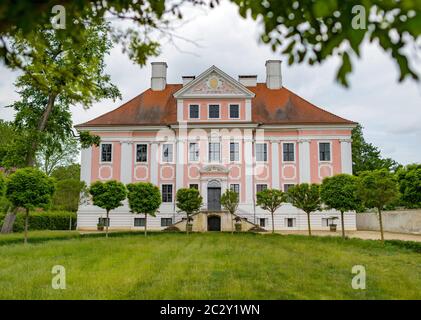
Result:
[[371, 235]]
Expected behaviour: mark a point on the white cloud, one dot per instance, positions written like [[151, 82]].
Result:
[[390, 112]]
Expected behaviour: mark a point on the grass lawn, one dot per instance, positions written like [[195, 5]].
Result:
[[205, 266]]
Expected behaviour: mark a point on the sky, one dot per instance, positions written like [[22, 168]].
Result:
[[390, 112]]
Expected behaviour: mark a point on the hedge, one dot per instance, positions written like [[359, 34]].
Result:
[[44, 220]]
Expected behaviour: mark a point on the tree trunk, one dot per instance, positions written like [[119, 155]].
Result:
[[342, 225], [146, 220], [232, 222], [30, 157], [107, 224], [187, 224], [273, 223], [9, 220], [25, 241], [308, 223], [381, 224]]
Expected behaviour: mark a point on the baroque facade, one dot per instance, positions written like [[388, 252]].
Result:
[[212, 132]]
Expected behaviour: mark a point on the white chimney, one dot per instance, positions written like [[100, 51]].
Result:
[[187, 79], [159, 76], [273, 74], [248, 80]]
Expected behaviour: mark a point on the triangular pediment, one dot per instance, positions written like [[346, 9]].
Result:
[[214, 83]]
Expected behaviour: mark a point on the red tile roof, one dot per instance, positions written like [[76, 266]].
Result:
[[280, 106]]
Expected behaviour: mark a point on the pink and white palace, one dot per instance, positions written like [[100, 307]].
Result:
[[213, 132]]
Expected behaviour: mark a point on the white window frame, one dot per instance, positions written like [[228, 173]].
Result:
[[239, 189], [100, 153], [295, 152], [198, 148], [162, 153], [330, 151], [194, 104], [267, 152], [239, 152], [147, 152], [294, 222], [220, 153], [255, 187], [283, 186], [219, 113], [229, 110], [172, 195]]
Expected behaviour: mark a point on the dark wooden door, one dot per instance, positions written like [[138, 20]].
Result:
[[214, 199], [214, 223]]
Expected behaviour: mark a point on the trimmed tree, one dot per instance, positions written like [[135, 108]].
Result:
[[229, 201], [376, 189], [109, 196], [307, 198], [270, 200], [29, 188], [409, 179], [189, 201], [144, 198], [340, 193]]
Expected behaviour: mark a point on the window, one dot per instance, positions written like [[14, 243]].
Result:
[[194, 186], [287, 186], [262, 222], [214, 111], [290, 222], [167, 193], [167, 152], [194, 111], [104, 221], [235, 187], [194, 151], [324, 151], [141, 153], [139, 222], [165, 222], [214, 151], [288, 151], [106, 152], [326, 222], [261, 187], [234, 151], [261, 152], [234, 111]]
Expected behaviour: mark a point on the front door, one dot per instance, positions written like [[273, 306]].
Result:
[[214, 199], [214, 223]]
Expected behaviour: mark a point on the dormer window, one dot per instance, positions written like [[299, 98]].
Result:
[[194, 111], [214, 111]]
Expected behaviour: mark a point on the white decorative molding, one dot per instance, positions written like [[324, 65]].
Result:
[[103, 167], [239, 172], [166, 167], [327, 165], [286, 166], [146, 170], [198, 172], [214, 168]]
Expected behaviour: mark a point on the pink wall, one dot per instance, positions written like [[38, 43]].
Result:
[[107, 170]]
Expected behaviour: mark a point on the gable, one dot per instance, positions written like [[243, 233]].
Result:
[[213, 83]]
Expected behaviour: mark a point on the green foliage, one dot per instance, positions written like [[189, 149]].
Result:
[[365, 156], [71, 171], [377, 188], [67, 194], [270, 199], [44, 220], [311, 31], [29, 188], [189, 200], [13, 145], [229, 200], [409, 179], [87, 139], [340, 192], [2, 184], [108, 195], [144, 198], [305, 197]]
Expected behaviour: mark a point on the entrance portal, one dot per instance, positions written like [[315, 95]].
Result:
[[214, 196], [214, 223]]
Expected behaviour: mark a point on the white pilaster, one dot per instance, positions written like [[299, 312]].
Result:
[[346, 155], [180, 112], [248, 159], [275, 165], [304, 163], [180, 163], [248, 109], [86, 165], [126, 165], [154, 163]]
